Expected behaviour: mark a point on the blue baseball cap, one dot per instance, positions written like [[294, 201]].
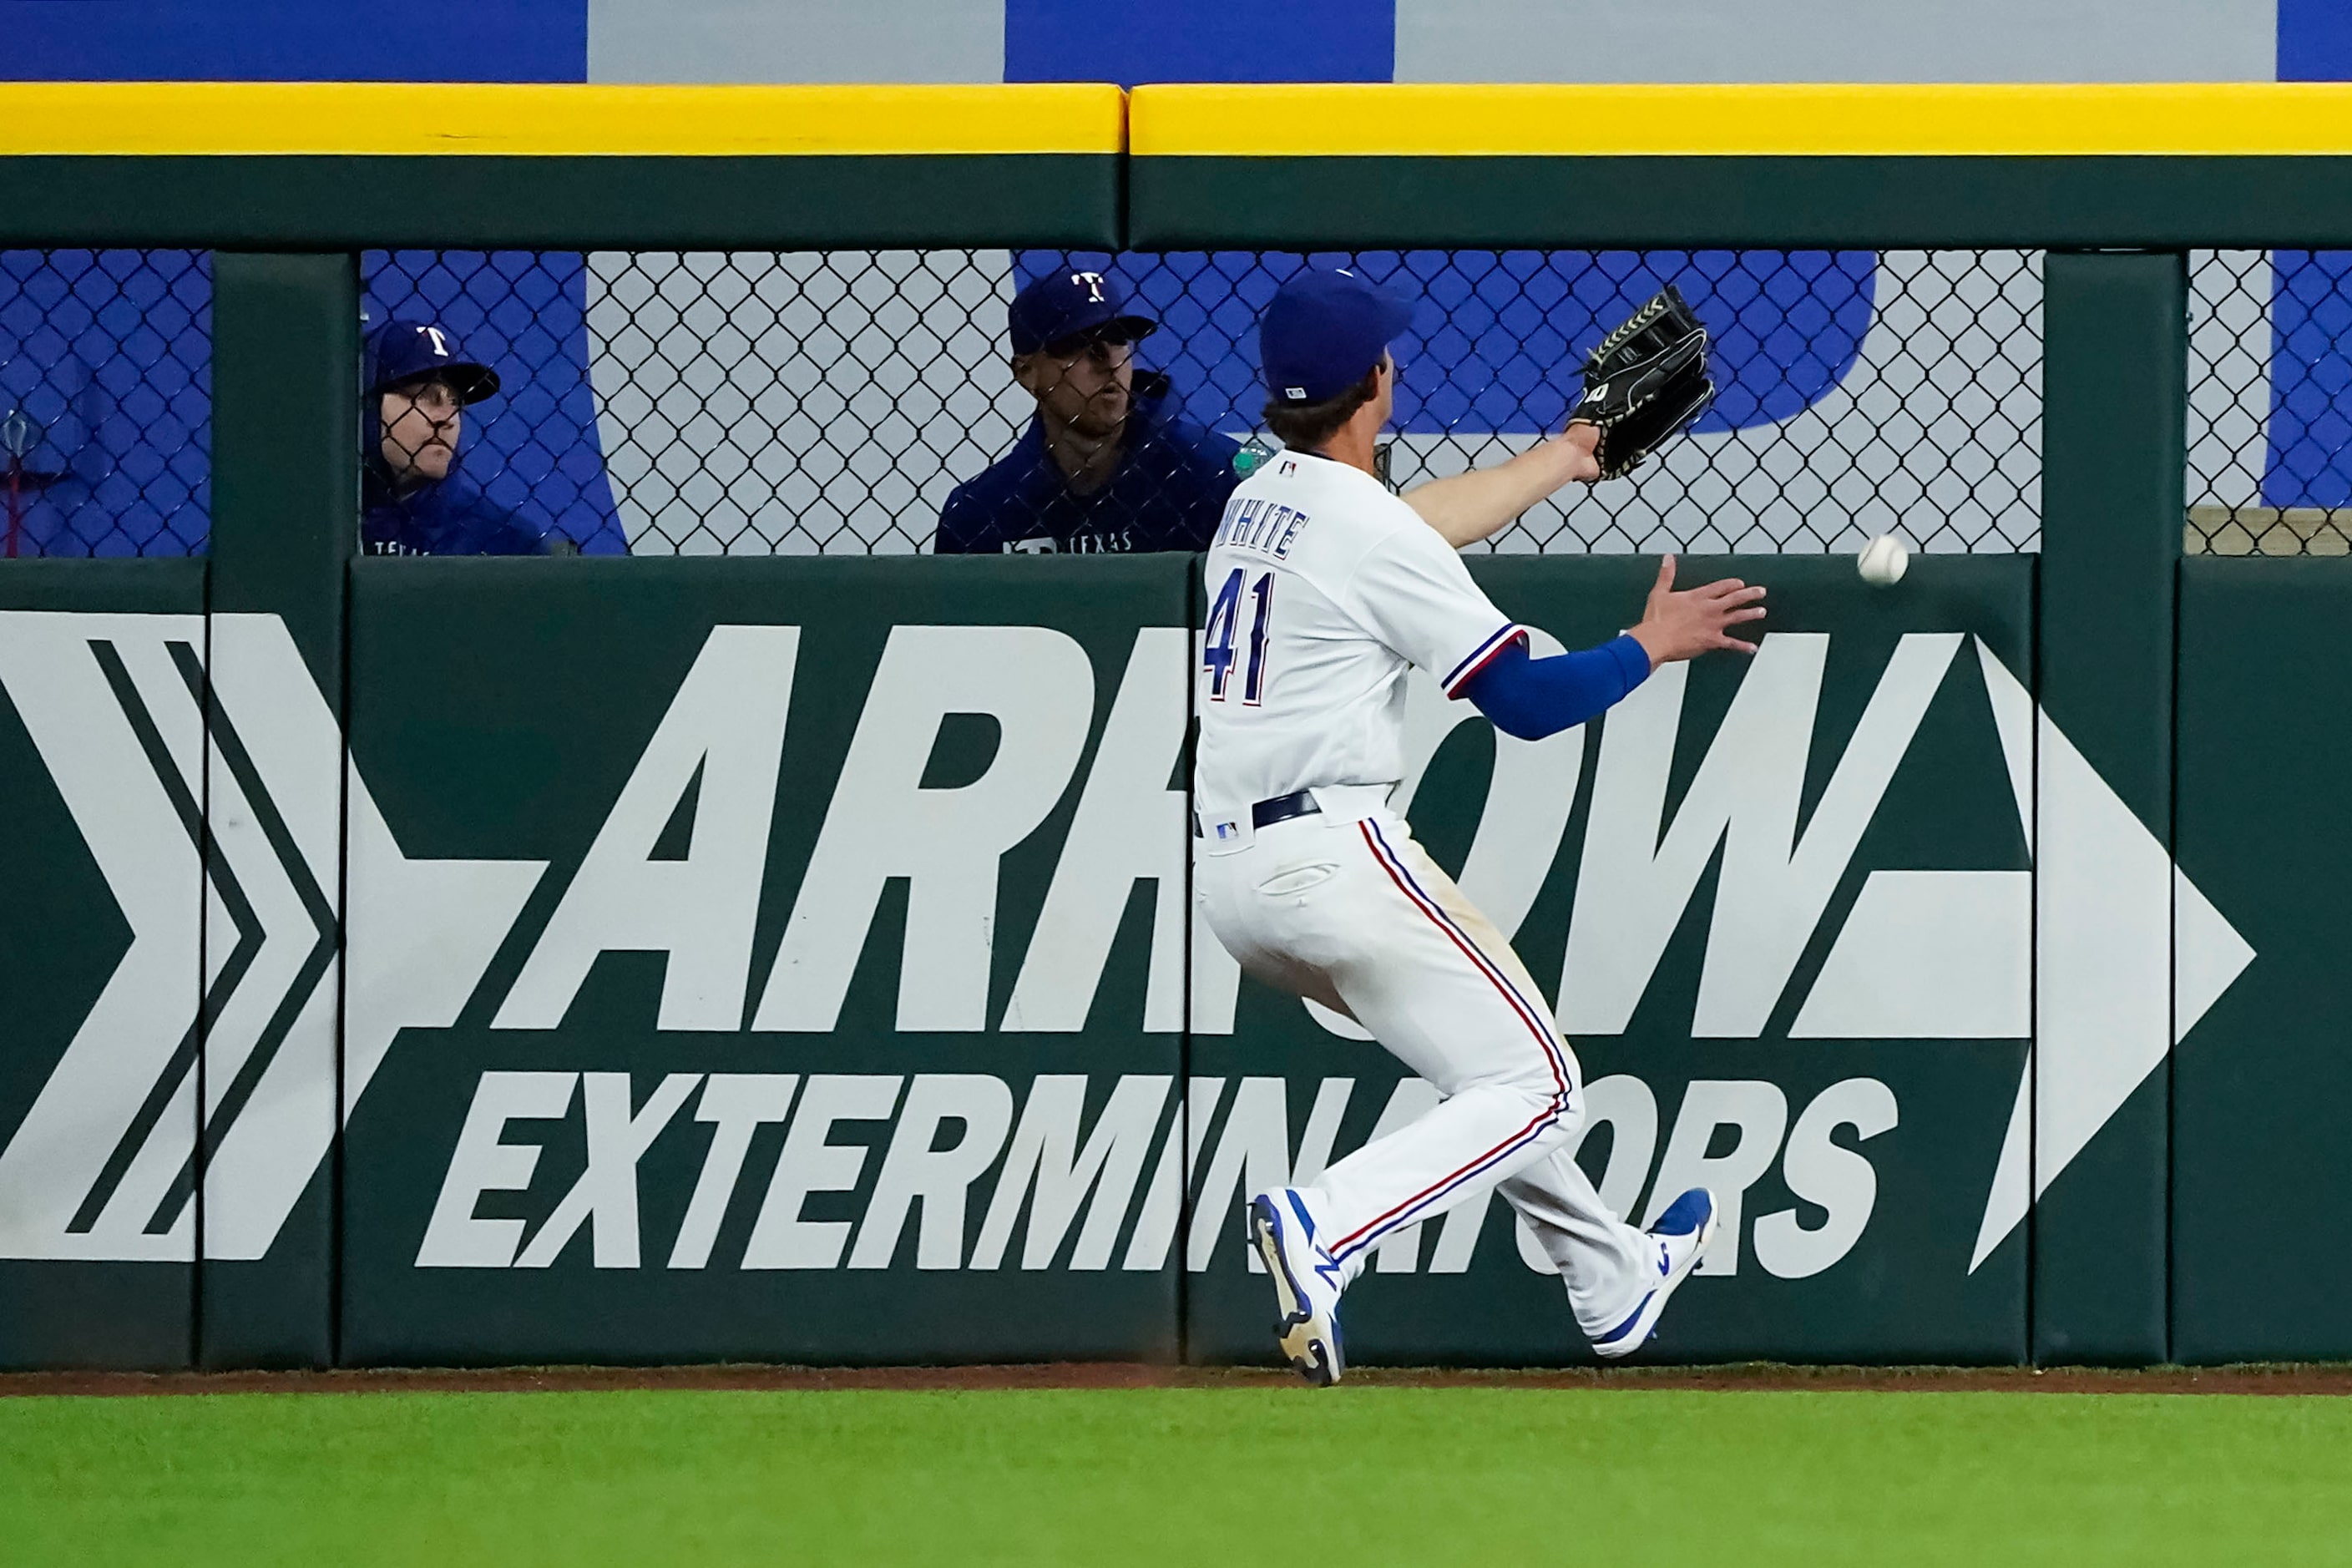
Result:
[[1065, 304], [405, 351], [1323, 330]]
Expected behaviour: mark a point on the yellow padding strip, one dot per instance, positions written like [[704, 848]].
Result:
[[397, 118], [1405, 120]]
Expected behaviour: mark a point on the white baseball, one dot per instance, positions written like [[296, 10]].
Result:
[[1883, 562]]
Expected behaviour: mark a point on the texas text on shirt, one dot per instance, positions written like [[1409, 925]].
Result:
[[1323, 589], [1164, 494]]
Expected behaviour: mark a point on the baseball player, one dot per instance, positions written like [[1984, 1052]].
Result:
[[1322, 587]]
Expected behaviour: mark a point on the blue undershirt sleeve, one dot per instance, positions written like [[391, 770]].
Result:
[[1530, 698]]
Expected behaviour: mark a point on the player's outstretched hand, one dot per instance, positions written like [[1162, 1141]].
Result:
[[1697, 620], [1580, 448]]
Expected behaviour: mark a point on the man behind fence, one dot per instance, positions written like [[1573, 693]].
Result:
[[412, 499], [1106, 464]]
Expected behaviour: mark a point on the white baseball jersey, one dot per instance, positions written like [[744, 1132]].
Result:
[[1323, 587]]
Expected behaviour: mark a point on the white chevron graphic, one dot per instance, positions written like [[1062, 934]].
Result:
[[103, 1163], [133, 1058]]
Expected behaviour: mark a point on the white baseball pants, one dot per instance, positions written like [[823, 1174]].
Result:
[[1350, 912]]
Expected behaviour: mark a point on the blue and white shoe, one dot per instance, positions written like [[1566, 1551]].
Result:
[[1675, 1244], [1306, 1284]]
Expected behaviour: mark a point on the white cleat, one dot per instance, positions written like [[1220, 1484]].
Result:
[[1677, 1242], [1306, 1284]]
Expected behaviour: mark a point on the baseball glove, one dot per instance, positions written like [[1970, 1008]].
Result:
[[1646, 382]]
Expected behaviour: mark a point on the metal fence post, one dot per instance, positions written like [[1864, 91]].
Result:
[[285, 502], [2114, 446]]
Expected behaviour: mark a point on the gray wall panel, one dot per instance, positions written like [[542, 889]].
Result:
[[1837, 40], [801, 41]]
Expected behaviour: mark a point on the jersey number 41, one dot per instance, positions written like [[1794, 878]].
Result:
[[1224, 624]]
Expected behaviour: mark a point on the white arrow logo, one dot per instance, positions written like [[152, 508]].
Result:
[[104, 1162], [2115, 915]]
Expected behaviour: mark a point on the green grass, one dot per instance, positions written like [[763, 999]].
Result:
[[1225, 1477]]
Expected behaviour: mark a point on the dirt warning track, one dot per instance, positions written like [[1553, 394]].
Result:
[[2282, 1379]]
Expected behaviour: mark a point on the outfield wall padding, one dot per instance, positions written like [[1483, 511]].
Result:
[[285, 328], [2259, 1084], [716, 202], [857, 841], [2114, 389], [101, 766], [789, 960], [542, 942]]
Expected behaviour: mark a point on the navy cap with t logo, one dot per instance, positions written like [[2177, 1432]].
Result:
[[1061, 305], [1323, 330], [407, 351]]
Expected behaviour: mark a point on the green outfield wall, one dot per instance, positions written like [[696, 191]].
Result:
[[479, 962]]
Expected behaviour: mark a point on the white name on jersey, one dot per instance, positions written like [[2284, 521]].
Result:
[[1257, 523]]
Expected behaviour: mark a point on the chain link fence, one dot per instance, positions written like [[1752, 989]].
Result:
[[105, 402], [2270, 403], [831, 403]]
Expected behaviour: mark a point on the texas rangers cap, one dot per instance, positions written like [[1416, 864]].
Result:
[[1064, 304], [403, 350], [1323, 330]]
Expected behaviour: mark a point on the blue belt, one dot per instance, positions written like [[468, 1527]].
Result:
[[1281, 809]]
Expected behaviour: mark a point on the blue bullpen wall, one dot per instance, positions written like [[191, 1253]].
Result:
[[1495, 348], [294, 40], [2309, 313], [1497, 336], [2315, 40], [2311, 368], [1173, 40], [1495, 365], [106, 376], [1199, 40]]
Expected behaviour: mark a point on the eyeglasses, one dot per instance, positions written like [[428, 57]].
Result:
[[435, 394], [1106, 349]]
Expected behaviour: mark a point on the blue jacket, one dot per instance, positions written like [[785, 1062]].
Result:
[[1167, 493], [451, 517]]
